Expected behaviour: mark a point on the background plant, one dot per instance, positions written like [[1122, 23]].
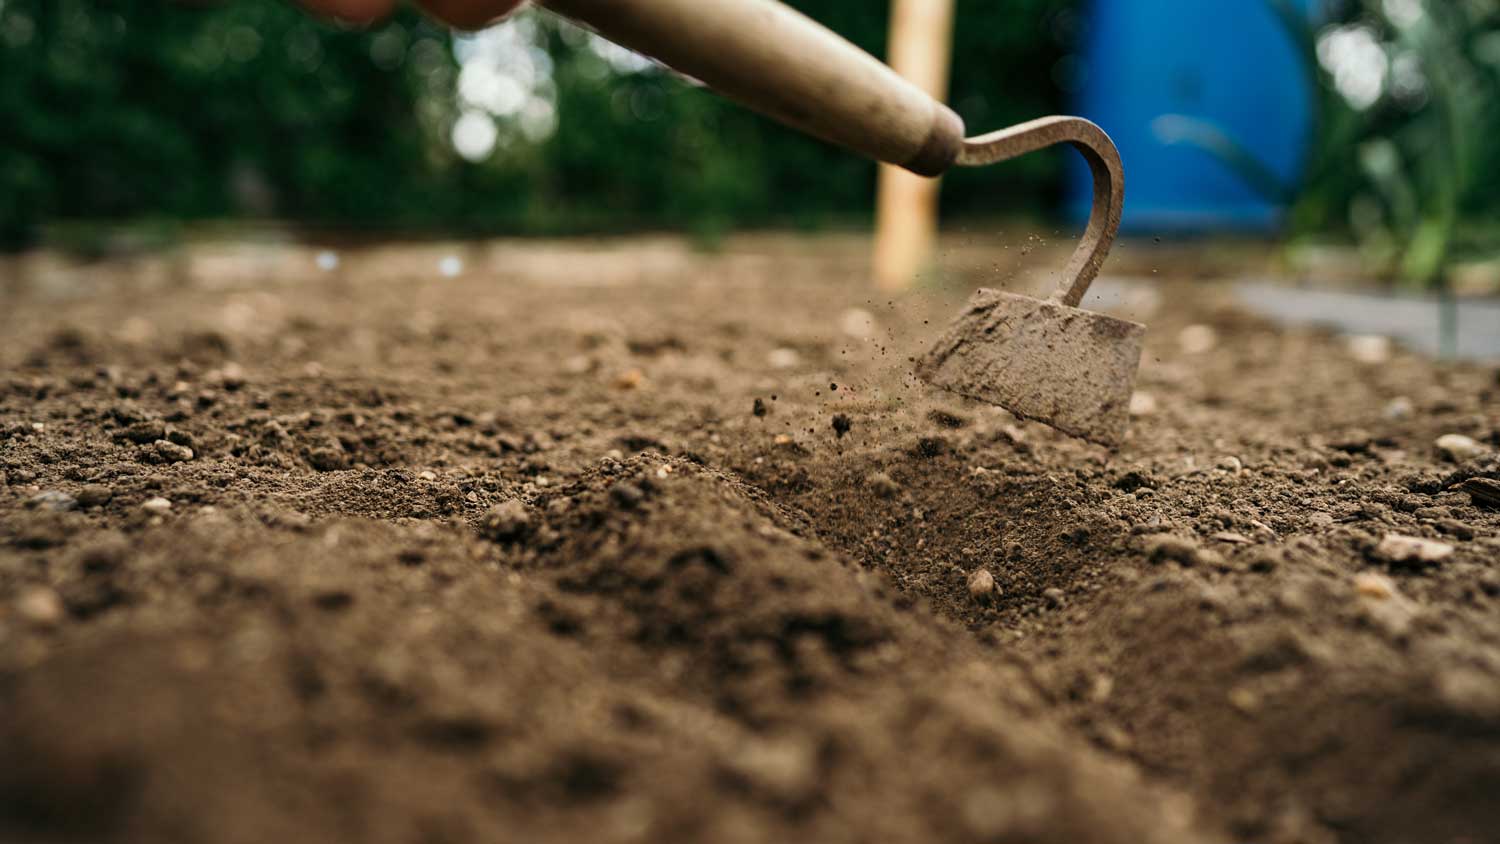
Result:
[[1409, 105]]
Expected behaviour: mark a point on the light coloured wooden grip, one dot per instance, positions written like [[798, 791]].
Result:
[[783, 64]]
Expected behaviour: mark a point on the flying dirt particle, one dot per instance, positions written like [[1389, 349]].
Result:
[[40, 606], [508, 521], [1483, 492], [982, 585], [1368, 348], [841, 425], [833, 388], [1399, 549], [1458, 448], [759, 408], [882, 485]]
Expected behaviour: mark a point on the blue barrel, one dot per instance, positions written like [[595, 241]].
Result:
[[1209, 102]]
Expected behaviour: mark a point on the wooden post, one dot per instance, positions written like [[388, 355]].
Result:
[[906, 204]]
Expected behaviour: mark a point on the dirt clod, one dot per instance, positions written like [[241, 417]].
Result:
[[508, 521], [1484, 492], [166, 451], [841, 425]]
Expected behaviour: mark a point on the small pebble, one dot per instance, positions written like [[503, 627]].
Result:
[[630, 379], [1197, 339], [1458, 448], [783, 358], [1398, 548], [170, 452], [1142, 403], [1231, 465], [427, 475], [53, 500], [157, 506], [1055, 597], [40, 605], [858, 323], [1398, 408], [1369, 348], [982, 585]]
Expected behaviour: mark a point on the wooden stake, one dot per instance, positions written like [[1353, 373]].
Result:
[[906, 204]]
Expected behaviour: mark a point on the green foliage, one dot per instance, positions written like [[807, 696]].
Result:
[[129, 109], [1405, 155]]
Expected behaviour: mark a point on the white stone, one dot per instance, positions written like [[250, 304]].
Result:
[[1197, 339], [1458, 448], [858, 323], [1398, 548], [1369, 348], [157, 506], [1142, 403]]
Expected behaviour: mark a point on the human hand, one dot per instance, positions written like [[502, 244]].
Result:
[[464, 14]]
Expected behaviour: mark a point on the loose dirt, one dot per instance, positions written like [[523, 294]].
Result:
[[587, 545]]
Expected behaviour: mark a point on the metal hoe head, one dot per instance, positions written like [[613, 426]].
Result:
[[1048, 360]]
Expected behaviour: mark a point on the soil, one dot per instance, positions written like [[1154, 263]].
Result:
[[638, 544]]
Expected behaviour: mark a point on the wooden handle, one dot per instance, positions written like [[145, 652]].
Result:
[[781, 63]]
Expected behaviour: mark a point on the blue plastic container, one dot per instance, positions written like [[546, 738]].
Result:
[[1170, 80]]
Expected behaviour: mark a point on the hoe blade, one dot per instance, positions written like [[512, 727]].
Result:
[[1070, 368]]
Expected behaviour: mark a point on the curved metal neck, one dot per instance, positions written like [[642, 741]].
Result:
[[1109, 186]]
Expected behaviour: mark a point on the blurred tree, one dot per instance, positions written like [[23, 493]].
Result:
[[130, 109]]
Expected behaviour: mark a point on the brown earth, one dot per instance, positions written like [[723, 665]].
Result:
[[636, 544]]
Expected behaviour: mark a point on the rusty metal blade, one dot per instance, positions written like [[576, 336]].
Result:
[[1070, 368]]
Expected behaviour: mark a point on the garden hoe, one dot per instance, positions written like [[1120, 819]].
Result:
[[1040, 359]]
